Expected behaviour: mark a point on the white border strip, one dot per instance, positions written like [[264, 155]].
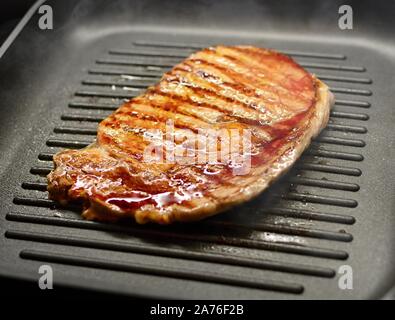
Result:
[[21, 24]]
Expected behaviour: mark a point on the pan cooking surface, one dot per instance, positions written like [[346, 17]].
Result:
[[332, 209]]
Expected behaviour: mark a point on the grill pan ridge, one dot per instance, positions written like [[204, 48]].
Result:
[[333, 208]]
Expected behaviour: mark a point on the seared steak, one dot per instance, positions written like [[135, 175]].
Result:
[[232, 89]]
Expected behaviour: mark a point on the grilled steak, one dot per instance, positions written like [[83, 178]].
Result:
[[234, 89]]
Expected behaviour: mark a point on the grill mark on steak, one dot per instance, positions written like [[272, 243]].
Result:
[[246, 106], [204, 91], [245, 77], [235, 92], [260, 64], [248, 91], [226, 112]]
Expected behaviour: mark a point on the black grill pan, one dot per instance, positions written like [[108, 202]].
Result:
[[335, 207]]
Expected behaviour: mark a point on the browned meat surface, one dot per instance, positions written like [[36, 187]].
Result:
[[223, 89]]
